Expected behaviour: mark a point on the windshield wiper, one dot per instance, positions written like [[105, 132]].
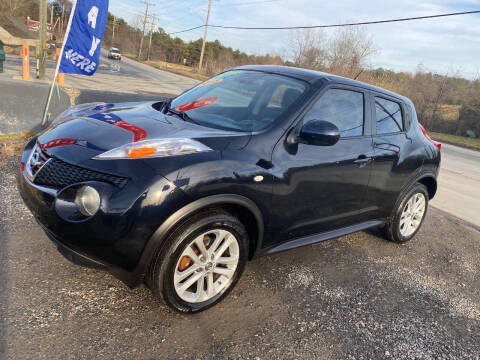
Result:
[[182, 115]]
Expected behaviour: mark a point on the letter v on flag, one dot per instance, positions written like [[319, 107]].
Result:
[[81, 48]]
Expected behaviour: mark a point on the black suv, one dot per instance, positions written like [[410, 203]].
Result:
[[180, 194]]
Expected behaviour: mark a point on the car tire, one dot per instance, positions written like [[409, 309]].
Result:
[[219, 229], [409, 215]]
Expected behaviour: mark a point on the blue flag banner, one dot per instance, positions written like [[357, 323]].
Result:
[[81, 49]]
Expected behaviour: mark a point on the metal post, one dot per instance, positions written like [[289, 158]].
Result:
[[46, 114]]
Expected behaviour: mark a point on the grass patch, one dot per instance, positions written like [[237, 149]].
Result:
[[462, 141], [12, 145], [24, 135]]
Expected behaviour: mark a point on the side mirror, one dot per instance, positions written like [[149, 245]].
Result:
[[319, 132]]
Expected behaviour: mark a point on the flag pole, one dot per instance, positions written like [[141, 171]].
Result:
[[46, 114]]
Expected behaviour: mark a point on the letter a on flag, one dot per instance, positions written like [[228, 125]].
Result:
[[81, 47]]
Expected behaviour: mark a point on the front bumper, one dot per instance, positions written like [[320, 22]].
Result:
[[71, 255], [74, 243], [131, 279]]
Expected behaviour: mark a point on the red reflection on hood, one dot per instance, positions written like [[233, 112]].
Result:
[[196, 104], [57, 142], [138, 132]]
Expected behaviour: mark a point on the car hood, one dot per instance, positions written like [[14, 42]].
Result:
[[87, 130]]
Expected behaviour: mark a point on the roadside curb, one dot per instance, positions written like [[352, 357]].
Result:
[[455, 218]]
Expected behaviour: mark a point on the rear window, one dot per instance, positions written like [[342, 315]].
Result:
[[389, 116], [240, 100]]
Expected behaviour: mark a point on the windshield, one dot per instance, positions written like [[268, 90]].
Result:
[[239, 100]]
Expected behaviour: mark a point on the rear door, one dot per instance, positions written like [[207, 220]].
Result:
[[395, 159], [321, 188]]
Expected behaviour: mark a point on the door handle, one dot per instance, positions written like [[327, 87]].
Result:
[[362, 161]]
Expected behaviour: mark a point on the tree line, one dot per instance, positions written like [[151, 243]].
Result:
[[445, 103]]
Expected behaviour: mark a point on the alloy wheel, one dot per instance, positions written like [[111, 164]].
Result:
[[206, 266], [412, 214]]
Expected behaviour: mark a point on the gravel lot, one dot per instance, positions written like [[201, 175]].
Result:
[[357, 297]]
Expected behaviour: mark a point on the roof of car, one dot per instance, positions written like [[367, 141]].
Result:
[[312, 75], [114, 48]]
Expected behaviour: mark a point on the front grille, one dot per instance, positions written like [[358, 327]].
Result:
[[57, 173], [36, 160]]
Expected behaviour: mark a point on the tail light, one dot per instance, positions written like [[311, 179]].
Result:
[[436, 143]]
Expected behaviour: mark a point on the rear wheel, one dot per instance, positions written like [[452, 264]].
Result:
[[201, 262], [409, 215]]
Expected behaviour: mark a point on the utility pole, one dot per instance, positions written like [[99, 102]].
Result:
[[151, 34], [205, 36], [43, 39], [147, 4], [113, 28], [61, 26], [51, 13]]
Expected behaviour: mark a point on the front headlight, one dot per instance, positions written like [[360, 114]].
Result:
[[87, 200], [154, 148]]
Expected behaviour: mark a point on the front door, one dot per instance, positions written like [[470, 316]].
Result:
[[322, 188]]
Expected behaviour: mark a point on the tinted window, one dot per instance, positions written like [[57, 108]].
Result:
[[344, 108], [389, 116], [240, 100]]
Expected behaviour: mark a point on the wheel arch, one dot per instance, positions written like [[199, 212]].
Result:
[[426, 178], [430, 183], [242, 207]]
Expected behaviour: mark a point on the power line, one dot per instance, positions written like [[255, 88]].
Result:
[[190, 29], [332, 25], [246, 3]]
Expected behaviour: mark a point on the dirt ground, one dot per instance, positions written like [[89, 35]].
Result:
[[356, 297]]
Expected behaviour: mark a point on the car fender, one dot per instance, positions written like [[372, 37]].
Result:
[[157, 239], [413, 180]]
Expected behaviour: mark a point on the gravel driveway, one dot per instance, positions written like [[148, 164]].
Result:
[[356, 297]]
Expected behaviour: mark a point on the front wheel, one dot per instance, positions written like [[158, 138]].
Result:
[[409, 215], [200, 262]]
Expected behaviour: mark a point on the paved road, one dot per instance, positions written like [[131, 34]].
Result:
[[357, 297], [126, 67], [459, 183], [129, 67]]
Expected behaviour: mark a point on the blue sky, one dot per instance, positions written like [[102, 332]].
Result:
[[441, 45]]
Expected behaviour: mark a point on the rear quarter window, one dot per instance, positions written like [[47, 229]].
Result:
[[389, 117]]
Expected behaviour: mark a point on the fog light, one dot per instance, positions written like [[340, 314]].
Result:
[[87, 200]]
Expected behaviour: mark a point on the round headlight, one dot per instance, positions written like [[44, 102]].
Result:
[[87, 200]]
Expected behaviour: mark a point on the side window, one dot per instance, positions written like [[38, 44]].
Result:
[[344, 108], [389, 116]]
